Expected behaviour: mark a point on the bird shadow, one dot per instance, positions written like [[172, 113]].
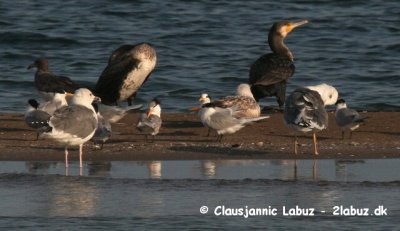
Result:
[[216, 150], [182, 124], [15, 130]]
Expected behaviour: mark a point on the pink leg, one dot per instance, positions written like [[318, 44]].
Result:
[[80, 155], [315, 143], [66, 156]]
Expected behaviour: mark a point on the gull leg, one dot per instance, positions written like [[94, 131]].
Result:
[[342, 134], [351, 134], [296, 143], [66, 156], [80, 155], [315, 143], [208, 134]]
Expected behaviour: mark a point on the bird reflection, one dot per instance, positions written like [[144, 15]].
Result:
[[208, 168], [155, 168], [39, 166], [72, 198], [99, 168]]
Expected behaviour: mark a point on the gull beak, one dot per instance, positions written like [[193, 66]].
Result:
[[69, 94], [97, 99]]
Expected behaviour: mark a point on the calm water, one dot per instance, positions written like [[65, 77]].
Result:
[[168, 194], [204, 46]]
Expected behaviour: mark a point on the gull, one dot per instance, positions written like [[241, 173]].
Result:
[[305, 111], [150, 123], [56, 102], [48, 83], [246, 105], [74, 124], [223, 120], [346, 118]]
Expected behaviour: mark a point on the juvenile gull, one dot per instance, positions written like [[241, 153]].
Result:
[[305, 112], [269, 73], [150, 123], [346, 118], [128, 68], [246, 105], [75, 124], [48, 83], [223, 120]]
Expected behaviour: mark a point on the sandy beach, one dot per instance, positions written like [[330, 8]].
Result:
[[183, 137]]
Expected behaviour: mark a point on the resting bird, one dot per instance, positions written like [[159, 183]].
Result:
[[128, 68], [150, 123], [245, 104], [305, 112], [36, 119], [58, 101], [103, 130], [346, 118], [48, 83], [223, 120], [328, 93], [270, 72], [74, 124]]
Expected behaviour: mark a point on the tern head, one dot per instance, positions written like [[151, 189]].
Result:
[[244, 90], [204, 98], [340, 104], [328, 93], [154, 108]]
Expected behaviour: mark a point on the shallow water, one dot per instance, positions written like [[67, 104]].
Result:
[[204, 46], [159, 195]]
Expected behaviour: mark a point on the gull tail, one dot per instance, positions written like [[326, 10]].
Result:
[[360, 119]]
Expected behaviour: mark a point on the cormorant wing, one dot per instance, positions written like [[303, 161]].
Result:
[[270, 69]]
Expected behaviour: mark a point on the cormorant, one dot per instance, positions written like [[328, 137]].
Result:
[[270, 72], [129, 66]]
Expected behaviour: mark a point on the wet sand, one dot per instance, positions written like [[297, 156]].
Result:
[[183, 137]]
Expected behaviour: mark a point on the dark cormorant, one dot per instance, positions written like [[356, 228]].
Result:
[[269, 74], [128, 68], [48, 83]]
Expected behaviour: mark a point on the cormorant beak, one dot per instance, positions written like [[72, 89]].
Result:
[[293, 25], [32, 65]]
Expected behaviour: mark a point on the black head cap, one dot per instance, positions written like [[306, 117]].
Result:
[[340, 101], [33, 103]]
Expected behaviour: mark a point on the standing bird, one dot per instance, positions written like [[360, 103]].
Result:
[[246, 105], [128, 68], [58, 101], [74, 124], [150, 123], [223, 120], [103, 130], [35, 118], [346, 118], [48, 83], [270, 72], [305, 112]]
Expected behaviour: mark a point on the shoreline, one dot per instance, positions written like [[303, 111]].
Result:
[[182, 137]]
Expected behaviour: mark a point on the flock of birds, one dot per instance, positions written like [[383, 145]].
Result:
[[72, 114]]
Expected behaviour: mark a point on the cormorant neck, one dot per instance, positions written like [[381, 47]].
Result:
[[278, 46]]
